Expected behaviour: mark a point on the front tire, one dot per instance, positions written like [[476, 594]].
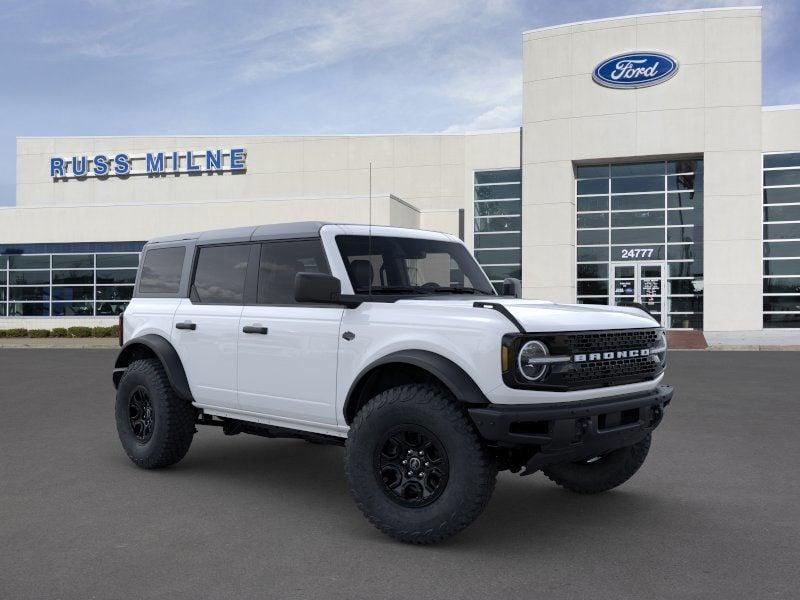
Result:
[[602, 473], [447, 477], [154, 425]]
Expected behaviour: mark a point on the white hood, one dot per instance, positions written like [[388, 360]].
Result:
[[539, 316]]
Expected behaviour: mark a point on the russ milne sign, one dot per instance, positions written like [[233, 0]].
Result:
[[635, 70], [151, 163]]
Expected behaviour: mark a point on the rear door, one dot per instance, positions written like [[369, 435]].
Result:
[[288, 351], [205, 326]]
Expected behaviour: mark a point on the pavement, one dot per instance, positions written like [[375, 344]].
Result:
[[713, 513]]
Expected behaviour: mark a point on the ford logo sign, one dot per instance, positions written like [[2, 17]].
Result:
[[635, 70]]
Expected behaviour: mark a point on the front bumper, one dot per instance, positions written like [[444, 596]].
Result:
[[572, 430]]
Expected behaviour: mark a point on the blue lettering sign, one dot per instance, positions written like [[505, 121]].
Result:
[[213, 160], [190, 166], [154, 163], [121, 164], [176, 162], [237, 159], [56, 167], [635, 70], [100, 165]]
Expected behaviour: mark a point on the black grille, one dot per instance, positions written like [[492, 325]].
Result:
[[602, 341]]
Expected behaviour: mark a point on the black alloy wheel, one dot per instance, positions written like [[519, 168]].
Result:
[[140, 414], [411, 465]]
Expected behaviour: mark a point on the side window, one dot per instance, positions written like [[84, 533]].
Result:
[[161, 270], [280, 262], [220, 273]]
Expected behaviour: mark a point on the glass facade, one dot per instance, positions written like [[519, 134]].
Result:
[[37, 283], [497, 226], [781, 303], [640, 238]]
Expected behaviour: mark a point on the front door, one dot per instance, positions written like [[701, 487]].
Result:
[[641, 283]]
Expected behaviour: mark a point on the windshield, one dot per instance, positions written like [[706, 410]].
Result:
[[399, 265]]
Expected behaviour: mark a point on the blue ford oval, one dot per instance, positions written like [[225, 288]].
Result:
[[635, 70]]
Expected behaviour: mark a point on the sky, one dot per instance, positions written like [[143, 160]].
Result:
[[160, 67]]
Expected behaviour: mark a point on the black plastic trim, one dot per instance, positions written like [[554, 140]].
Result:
[[502, 310], [165, 352]]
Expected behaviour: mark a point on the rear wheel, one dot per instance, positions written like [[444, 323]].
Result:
[[154, 425], [600, 473], [415, 465]]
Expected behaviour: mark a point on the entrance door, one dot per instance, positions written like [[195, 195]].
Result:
[[639, 282]]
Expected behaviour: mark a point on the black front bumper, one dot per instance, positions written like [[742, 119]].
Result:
[[568, 431]]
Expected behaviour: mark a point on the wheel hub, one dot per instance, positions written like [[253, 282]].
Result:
[[140, 414], [411, 465]]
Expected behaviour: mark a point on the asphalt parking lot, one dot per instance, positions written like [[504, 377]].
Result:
[[714, 512]]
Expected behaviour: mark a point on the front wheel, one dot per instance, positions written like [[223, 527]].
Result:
[[415, 465], [600, 473]]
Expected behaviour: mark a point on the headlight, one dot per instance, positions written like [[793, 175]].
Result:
[[660, 349], [529, 360]]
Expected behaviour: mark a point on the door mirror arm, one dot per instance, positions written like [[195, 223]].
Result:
[[321, 288]]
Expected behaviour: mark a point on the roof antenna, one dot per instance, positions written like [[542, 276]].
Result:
[[369, 237]]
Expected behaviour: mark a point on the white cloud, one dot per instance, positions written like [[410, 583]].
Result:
[[497, 117]]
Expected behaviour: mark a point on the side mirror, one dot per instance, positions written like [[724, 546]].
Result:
[[512, 287], [319, 288]]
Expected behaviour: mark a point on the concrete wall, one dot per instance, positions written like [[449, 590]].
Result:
[[711, 107]]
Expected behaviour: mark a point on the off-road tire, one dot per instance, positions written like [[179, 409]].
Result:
[[472, 471], [605, 473], [173, 419]]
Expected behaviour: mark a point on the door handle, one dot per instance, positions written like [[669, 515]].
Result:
[[186, 325], [255, 329]]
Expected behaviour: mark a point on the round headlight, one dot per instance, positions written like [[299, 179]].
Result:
[[528, 366]]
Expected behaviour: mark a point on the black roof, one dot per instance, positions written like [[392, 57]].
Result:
[[276, 231]]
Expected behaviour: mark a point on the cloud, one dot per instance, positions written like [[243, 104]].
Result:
[[497, 117]]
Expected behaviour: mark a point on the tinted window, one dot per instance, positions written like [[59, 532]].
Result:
[[161, 271], [220, 273], [280, 262]]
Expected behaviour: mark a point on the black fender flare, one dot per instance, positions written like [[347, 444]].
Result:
[[453, 377], [165, 352]]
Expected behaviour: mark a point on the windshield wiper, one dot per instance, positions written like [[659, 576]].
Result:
[[390, 289], [456, 290]]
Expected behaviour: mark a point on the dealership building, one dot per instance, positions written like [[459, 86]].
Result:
[[645, 169]]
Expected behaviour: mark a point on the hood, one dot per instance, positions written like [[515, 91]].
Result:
[[540, 316]]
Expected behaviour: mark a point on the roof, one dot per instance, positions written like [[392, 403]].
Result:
[[274, 231]]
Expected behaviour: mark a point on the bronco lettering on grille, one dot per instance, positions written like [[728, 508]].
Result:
[[594, 356]]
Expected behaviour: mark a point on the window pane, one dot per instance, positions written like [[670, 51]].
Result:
[[782, 303], [685, 199], [593, 220], [490, 192], [498, 176], [686, 321], [782, 231], [637, 219], [497, 208], [498, 240], [684, 217], [682, 182], [161, 271], [2, 277], [110, 308], [680, 252], [3, 261], [73, 277], [637, 236], [637, 202], [219, 275], [680, 234], [29, 277], [597, 203], [789, 177], [686, 304], [73, 292], [121, 276], [592, 254], [28, 309], [782, 213], [684, 166], [782, 160], [498, 224], [116, 292], [782, 267], [637, 184], [591, 171], [503, 272], [652, 168], [592, 271], [73, 309], [2, 310], [684, 286], [781, 249], [602, 301], [782, 195], [117, 260], [592, 236], [280, 262], [593, 288], [782, 320], [29, 293], [73, 261], [498, 257], [24, 261], [643, 252], [593, 186], [685, 269], [2, 294], [782, 285]]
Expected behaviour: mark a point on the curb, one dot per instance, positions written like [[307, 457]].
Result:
[[56, 343]]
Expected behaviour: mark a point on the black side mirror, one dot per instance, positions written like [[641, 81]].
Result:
[[319, 288], [512, 287]]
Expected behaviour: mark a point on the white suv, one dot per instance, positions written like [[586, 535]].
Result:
[[394, 343]]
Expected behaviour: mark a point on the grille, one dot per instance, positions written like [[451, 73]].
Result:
[[602, 341], [617, 370]]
